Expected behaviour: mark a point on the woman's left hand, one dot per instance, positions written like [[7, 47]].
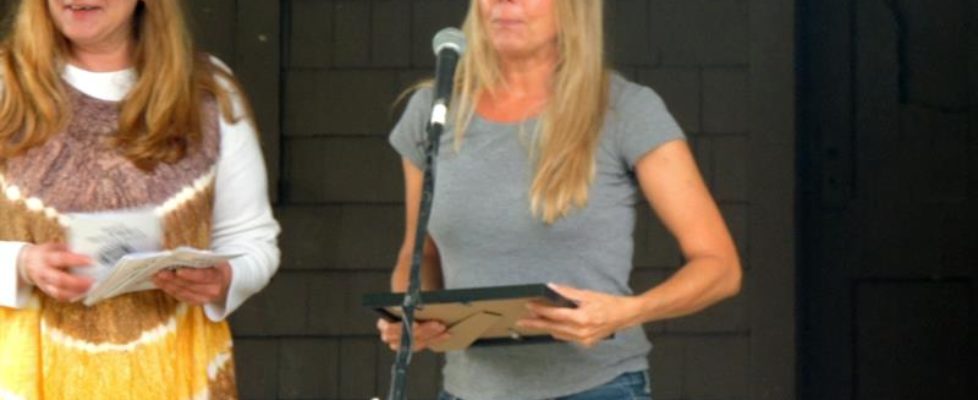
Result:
[[196, 286], [597, 316]]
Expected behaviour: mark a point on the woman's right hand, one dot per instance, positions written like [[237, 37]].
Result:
[[426, 333], [46, 266]]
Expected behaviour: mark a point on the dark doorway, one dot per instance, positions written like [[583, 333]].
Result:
[[889, 199]]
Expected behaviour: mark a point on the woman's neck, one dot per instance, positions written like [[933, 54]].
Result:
[[524, 90], [103, 58], [528, 75]]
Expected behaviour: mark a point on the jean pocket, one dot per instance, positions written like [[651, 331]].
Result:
[[641, 386], [443, 395], [627, 386], [646, 385]]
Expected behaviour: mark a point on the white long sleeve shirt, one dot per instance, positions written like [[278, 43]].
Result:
[[243, 220]]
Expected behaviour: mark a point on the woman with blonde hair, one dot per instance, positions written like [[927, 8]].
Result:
[[538, 183], [106, 106]]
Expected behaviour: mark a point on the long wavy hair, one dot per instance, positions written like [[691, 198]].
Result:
[[570, 124], [160, 118]]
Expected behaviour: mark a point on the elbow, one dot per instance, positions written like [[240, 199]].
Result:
[[733, 278]]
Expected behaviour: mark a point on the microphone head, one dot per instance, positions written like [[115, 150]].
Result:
[[449, 38]]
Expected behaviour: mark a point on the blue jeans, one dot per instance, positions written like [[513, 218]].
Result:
[[627, 386]]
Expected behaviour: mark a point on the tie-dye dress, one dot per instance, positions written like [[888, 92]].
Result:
[[143, 345]]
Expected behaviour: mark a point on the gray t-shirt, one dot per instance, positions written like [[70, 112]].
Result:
[[487, 236]]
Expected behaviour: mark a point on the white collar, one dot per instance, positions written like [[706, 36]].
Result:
[[108, 86]]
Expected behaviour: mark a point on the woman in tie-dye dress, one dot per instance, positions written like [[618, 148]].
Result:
[[105, 105]]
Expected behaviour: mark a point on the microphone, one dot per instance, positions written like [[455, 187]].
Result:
[[449, 45]]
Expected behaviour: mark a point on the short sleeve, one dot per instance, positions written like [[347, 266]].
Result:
[[645, 122], [408, 135]]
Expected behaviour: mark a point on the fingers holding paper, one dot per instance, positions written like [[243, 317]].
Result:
[[197, 286], [596, 317], [426, 333], [46, 267]]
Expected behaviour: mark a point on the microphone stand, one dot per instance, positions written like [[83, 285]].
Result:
[[448, 44], [412, 298]]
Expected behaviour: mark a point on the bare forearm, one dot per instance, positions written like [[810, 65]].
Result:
[[699, 284], [430, 274]]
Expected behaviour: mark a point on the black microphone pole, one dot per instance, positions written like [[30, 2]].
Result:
[[449, 43]]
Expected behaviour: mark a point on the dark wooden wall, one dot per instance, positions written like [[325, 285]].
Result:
[[890, 183]]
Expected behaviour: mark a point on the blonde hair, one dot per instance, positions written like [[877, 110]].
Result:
[[570, 125], [160, 118]]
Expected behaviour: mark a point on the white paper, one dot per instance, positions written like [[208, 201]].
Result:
[[134, 272], [107, 236], [125, 246]]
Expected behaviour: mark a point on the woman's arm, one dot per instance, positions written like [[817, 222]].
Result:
[[13, 290], [671, 182], [425, 332], [430, 263], [676, 191], [243, 224]]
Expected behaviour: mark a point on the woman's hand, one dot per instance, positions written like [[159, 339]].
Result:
[[197, 286], [597, 316], [426, 333], [46, 267]]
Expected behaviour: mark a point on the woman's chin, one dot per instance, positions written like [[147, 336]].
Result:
[[516, 53], [81, 35]]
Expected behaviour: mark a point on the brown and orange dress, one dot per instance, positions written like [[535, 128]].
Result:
[[142, 345]]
